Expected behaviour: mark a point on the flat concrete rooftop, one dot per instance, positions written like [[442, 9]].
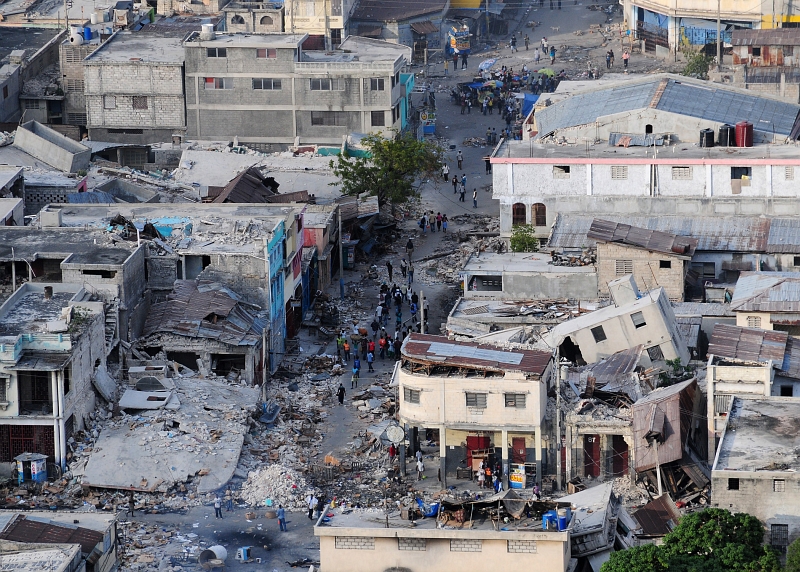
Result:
[[30, 312], [761, 434], [85, 246], [249, 41], [672, 154], [132, 48], [520, 262]]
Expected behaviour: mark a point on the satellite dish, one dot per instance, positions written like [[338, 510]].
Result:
[[395, 433]]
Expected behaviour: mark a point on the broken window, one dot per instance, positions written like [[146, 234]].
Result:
[[623, 267], [376, 84], [561, 171], [599, 334], [753, 321], [655, 353], [638, 320], [515, 400], [218, 52], [733, 484], [741, 172], [779, 536], [778, 485], [477, 400], [100, 273], [266, 53], [410, 395], [796, 261]]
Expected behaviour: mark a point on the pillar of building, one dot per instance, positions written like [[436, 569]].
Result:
[[443, 455], [54, 409], [537, 436], [504, 455], [570, 445]]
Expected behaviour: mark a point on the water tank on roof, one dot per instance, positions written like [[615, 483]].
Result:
[[727, 137], [75, 37], [744, 134], [707, 138], [87, 34], [207, 32]]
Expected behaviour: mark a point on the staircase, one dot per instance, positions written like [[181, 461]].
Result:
[[112, 325]]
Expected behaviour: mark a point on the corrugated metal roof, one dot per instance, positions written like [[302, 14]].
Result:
[[675, 404], [729, 234], [584, 108], [443, 351], [749, 344], [767, 292], [702, 309], [658, 517], [205, 310], [767, 37], [424, 28], [23, 529], [249, 186], [682, 96], [379, 11], [784, 235], [791, 359], [689, 327], [657, 241]]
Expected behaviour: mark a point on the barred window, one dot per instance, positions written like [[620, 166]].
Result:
[[623, 267], [74, 85], [109, 102], [378, 118], [779, 534], [619, 172], [778, 485], [477, 400], [682, 173], [139, 102], [410, 395], [655, 353]]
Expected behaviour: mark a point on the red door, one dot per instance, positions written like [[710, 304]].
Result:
[[591, 455], [620, 462], [475, 443], [518, 453]]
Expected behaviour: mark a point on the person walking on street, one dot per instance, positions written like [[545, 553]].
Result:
[[463, 191], [625, 57], [356, 372], [536, 56], [282, 518], [311, 502], [474, 198], [455, 184], [228, 500], [410, 273], [131, 503], [460, 159], [446, 65], [469, 106], [544, 45], [217, 507], [389, 269], [420, 469], [403, 267], [455, 62], [552, 55], [464, 60], [382, 346], [513, 43], [340, 394], [445, 172], [346, 349], [463, 179], [608, 60], [439, 222], [611, 53], [488, 162], [409, 249], [527, 42], [444, 223], [463, 104], [370, 359]]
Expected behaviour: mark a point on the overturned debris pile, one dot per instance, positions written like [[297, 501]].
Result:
[[277, 483]]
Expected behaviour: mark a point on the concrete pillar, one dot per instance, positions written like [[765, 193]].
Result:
[[539, 453], [57, 437], [570, 444], [606, 455], [443, 455], [504, 457]]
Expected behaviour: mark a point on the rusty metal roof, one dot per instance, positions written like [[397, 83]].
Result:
[[767, 292], [424, 27], [380, 11], [206, 310], [249, 186], [23, 529], [654, 240], [767, 37], [728, 234], [658, 517], [439, 350], [749, 344]]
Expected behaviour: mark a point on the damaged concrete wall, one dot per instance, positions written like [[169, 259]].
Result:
[[87, 354], [545, 286], [162, 272], [244, 275], [650, 269]]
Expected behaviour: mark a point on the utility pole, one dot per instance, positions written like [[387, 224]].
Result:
[[341, 259], [719, 37], [421, 312], [559, 469]]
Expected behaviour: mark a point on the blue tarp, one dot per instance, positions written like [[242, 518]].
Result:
[[476, 85], [527, 105]]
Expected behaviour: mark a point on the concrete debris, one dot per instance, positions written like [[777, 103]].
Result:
[[276, 485]]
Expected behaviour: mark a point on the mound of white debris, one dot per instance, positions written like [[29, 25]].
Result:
[[280, 484]]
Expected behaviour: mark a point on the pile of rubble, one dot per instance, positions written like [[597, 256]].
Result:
[[281, 485]]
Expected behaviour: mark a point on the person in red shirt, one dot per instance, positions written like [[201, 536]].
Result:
[[382, 344], [371, 346]]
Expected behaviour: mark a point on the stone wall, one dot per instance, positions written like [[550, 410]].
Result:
[[648, 268]]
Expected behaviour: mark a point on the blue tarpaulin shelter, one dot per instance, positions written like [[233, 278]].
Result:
[[527, 105]]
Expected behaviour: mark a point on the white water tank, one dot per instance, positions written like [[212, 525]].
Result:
[[207, 32], [75, 37]]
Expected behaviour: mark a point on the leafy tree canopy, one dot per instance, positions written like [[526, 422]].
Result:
[[523, 238], [712, 540], [390, 168]]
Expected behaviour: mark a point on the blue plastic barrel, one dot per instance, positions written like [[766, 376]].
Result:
[[87, 34]]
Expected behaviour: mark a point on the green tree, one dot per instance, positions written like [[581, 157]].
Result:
[[712, 540], [697, 64], [793, 557], [523, 238], [390, 168]]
